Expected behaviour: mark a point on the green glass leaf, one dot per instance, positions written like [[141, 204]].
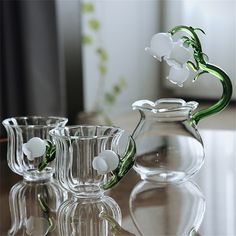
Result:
[[94, 24], [192, 66], [102, 69], [86, 39], [102, 54], [87, 7], [199, 29], [205, 57], [198, 75]]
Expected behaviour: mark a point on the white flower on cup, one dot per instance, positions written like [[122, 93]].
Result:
[[106, 162], [162, 46], [35, 147]]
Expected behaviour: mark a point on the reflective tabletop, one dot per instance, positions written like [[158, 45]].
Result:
[[206, 202]]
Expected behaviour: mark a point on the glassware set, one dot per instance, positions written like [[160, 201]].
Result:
[[86, 160]]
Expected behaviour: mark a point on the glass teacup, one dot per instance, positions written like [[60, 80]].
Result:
[[31, 130], [90, 158]]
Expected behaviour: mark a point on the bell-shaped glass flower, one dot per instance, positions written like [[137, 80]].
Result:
[[178, 75], [106, 162], [35, 147], [179, 55], [160, 46]]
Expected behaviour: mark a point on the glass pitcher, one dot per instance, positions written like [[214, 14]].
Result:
[[168, 145]]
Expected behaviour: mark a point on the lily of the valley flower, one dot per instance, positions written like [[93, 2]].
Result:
[[179, 55], [35, 147], [178, 75], [162, 46], [106, 162]]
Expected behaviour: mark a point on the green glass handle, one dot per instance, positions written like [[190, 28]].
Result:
[[200, 63], [125, 164], [226, 94]]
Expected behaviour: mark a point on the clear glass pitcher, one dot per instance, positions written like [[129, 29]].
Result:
[[169, 147]]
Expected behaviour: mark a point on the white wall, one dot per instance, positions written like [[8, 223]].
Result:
[[126, 29]]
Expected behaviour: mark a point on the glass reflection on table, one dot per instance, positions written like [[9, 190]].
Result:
[[87, 216], [216, 180], [167, 209], [34, 206]]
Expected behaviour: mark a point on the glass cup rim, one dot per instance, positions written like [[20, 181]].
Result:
[[6, 121], [79, 137]]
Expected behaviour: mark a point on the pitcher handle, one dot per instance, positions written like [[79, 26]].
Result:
[[200, 63], [226, 94], [125, 164]]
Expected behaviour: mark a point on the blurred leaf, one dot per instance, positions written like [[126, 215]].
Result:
[[94, 24], [102, 69], [86, 39], [109, 98], [87, 7], [102, 54], [122, 82], [117, 88]]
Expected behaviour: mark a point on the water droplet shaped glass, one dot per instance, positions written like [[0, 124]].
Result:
[[169, 146]]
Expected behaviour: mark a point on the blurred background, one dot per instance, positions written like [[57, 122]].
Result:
[[86, 59]]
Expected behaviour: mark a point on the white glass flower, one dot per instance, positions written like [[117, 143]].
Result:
[[105, 162], [178, 75], [160, 46], [35, 147], [179, 55]]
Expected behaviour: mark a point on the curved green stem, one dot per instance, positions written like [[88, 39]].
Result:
[[206, 68], [226, 94], [126, 163]]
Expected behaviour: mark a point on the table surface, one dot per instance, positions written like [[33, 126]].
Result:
[[154, 210]]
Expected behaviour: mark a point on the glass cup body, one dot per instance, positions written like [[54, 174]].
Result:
[[34, 207], [77, 146], [169, 147], [19, 131]]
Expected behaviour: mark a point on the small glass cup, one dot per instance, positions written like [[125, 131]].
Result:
[[22, 129], [78, 147]]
